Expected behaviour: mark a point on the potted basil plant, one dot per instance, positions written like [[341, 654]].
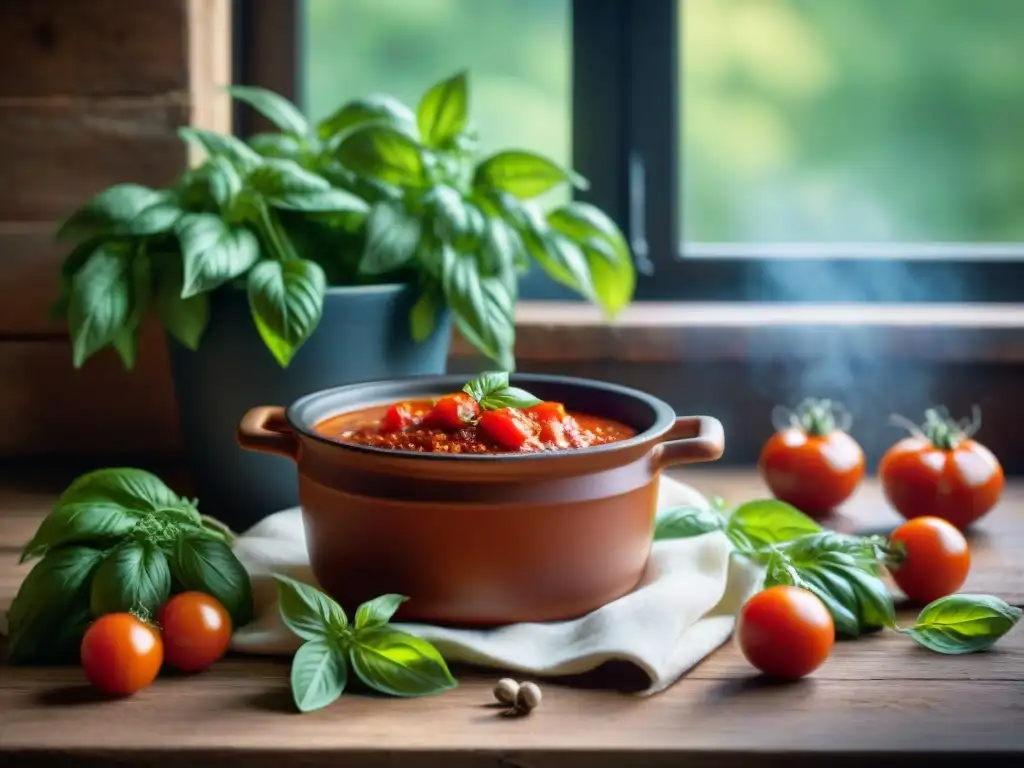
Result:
[[322, 254]]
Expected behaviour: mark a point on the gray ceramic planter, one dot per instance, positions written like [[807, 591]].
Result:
[[363, 335]]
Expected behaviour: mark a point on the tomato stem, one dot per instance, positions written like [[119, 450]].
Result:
[[814, 417], [940, 429]]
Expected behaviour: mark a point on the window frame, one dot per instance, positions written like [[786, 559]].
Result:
[[626, 141]]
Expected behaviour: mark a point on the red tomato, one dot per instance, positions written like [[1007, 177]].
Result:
[[546, 411], [508, 427], [936, 562], [786, 632], [940, 471], [121, 654], [812, 462], [552, 420], [401, 416], [453, 412], [196, 631]]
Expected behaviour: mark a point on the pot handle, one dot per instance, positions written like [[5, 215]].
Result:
[[265, 429], [692, 439]]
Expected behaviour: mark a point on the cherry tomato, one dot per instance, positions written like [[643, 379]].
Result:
[[812, 462], [121, 654], [552, 420], [508, 427], [398, 417], [940, 471], [453, 412], [196, 631], [786, 632], [936, 561]]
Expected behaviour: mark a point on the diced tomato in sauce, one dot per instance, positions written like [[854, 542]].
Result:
[[452, 412], [456, 424]]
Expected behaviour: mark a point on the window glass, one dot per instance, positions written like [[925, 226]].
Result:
[[876, 122], [518, 53]]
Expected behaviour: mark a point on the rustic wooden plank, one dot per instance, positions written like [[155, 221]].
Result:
[[94, 48], [879, 698], [55, 156], [217, 715], [209, 63], [29, 264], [50, 409]]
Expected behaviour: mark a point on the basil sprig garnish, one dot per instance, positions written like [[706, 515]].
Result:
[[493, 392], [963, 623], [843, 571], [382, 658], [118, 540]]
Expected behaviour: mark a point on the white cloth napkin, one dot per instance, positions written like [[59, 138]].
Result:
[[683, 610]]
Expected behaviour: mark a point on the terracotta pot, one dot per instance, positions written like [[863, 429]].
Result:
[[481, 539]]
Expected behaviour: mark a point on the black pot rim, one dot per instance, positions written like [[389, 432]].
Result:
[[387, 390]]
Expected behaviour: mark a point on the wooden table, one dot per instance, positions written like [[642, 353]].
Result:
[[877, 701]]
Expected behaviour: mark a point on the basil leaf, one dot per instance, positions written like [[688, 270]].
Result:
[[321, 201], [319, 674], [80, 523], [840, 571], [376, 108], [509, 397], [385, 154], [286, 300], [51, 609], [500, 247], [110, 211], [485, 383], [398, 664], [482, 307], [834, 593], [443, 111], [758, 524], [684, 522], [216, 528], [185, 319], [391, 239], [276, 145], [448, 213], [134, 489], [140, 294], [307, 611], [225, 184], [232, 149], [133, 577], [208, 565], [378, 611], [564, 262], [608, 256], [963, 623], [154, 219], [276, 177], [523, 174], [99, 302], [105, 504], [72, 263], [423, 316], [272, 106], [213, 252]]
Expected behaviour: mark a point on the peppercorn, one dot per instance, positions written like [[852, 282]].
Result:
[[506, 690], [527, 698]]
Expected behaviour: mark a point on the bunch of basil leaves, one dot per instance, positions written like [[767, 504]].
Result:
[[383, 658], [373, 193], [464, 226], [118, 540], [844, 571]]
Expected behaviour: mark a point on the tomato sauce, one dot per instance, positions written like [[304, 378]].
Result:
[[454, 424]]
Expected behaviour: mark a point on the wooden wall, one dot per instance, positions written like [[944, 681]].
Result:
[[91, 94]]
